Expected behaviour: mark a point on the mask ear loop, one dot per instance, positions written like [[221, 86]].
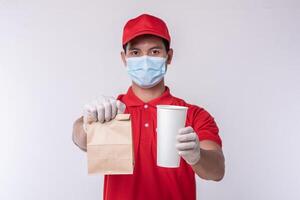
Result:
[[167, 58], [166, 64]]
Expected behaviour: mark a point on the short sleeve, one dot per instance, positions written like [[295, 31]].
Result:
[[204, 125], [120, 97]]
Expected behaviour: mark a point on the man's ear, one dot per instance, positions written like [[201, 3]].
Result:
[[170, 56], [123, 58]]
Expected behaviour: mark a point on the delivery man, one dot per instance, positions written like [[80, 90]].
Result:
[[146, 55]]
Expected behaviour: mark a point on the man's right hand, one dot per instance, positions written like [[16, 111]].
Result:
[[103, 109]]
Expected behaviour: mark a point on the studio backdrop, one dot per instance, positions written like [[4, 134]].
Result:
[[238, 59]]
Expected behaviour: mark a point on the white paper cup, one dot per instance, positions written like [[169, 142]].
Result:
[[169, 120]]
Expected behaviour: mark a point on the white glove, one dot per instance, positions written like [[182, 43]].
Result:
[[103, 109], [187, 144]]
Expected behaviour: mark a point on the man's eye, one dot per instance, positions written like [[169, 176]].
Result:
[[155, 52], [134, 53]]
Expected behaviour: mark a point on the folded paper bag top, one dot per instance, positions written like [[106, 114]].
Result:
[[110, 146]]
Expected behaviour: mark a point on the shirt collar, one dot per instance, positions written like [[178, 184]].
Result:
[[130, 99]]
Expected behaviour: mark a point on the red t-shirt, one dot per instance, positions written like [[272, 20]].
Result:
[[148, 180]]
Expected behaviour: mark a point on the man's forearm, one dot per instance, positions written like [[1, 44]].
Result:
[[79, 136], [211, 165]]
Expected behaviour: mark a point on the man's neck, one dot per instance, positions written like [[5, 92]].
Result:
[[147, 94]]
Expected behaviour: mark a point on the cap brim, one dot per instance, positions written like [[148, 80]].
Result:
[[144, 32]]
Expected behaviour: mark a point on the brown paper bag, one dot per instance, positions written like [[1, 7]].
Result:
[[110, 147]]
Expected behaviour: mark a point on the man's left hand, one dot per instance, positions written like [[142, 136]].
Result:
[[187, 144]]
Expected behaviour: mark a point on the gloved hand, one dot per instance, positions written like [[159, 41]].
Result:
[[187, 144], [103, 109]]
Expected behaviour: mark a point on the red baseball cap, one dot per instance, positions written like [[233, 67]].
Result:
[[145, 24]]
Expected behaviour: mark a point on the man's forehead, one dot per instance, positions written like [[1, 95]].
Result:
[[146, 40]]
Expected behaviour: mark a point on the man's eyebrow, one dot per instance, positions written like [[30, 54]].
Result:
[[156, 47], [133, 48]]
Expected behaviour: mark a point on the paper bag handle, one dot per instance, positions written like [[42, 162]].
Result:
[[122, 117]]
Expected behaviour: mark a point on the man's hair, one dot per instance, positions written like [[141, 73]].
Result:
[[166, 44]]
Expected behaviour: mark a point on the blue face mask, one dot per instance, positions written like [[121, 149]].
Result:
[[146, 71]]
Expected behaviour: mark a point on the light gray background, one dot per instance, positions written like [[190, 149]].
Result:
[[238, 59]]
